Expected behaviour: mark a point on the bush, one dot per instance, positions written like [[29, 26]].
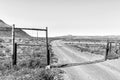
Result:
[[2, 54], [35, 74], [38, 54], [5, 65], [32, 63]]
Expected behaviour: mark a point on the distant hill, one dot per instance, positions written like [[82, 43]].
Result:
[[96, 38], [6, 31]]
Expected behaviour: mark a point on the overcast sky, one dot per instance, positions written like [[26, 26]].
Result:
[[64, 17]]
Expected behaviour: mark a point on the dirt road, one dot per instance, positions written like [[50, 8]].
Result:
[[109, 70]]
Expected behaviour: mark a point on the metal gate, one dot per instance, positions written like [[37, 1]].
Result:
[[113, 51], [15, 45]]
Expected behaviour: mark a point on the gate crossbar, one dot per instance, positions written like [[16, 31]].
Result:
[[32, 29]]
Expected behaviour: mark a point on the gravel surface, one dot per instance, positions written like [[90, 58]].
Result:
[[108, 70]]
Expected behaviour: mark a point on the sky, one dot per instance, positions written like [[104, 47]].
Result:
[[64, 17]]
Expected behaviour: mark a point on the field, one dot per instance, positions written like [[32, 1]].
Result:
[[95, 47], [31, 61], [92, 47]]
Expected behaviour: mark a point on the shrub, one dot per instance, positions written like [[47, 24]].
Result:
[[32, 63], [37, 54], [2, 54], [35, 74]]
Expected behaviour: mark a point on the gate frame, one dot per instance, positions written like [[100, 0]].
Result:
[[14, 45], [109, 47]]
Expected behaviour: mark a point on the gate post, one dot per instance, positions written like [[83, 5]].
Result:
[[110, 47], [47, 47], [14, 47], [15, 55], [13, 42], [107, 50]]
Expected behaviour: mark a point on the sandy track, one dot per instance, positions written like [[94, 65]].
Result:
[[100, 71]]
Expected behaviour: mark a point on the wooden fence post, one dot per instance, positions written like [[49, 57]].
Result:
[[107, 50], [15, 55], [13, 41], [110, 48], [47, 47], [14, 47]]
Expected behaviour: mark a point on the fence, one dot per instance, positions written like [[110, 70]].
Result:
[[112, 50], [14, 44]]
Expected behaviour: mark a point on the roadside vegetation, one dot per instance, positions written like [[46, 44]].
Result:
[[31, 62], [95, 47], [92, 47]]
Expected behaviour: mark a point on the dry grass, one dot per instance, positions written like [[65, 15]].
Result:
[[92, 48], [33, 74], [31, 62]]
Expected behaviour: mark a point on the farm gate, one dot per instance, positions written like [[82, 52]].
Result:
[[15, 45], [113, 50]]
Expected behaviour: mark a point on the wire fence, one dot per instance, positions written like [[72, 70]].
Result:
[[22, 51]]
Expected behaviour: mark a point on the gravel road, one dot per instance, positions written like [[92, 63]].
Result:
[[108, 70]]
